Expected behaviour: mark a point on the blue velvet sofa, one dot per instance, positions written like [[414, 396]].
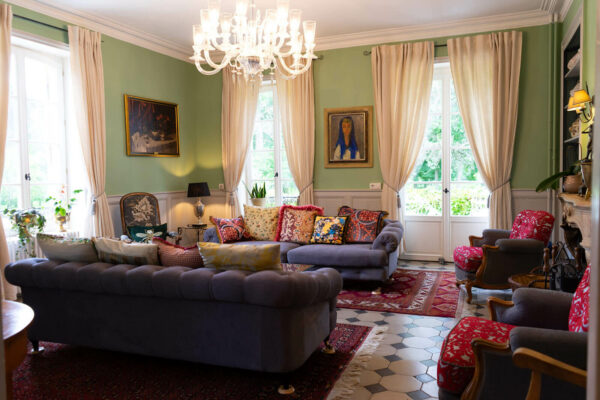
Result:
[[375, 261], [269, 321]]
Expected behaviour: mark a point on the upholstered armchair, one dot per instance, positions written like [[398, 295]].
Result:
[[141, 209], [541, 330], [496, 255]]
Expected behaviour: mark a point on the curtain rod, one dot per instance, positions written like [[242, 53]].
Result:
[[368, 52], [40, 23]]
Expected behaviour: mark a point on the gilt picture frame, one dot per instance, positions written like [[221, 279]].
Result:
[[348, 137], [151, 127]]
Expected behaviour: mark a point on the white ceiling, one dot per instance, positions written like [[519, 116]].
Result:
[[169, 21]]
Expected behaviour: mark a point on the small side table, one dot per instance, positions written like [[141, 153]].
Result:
[[16, 318], [529, 280], [191, 234]]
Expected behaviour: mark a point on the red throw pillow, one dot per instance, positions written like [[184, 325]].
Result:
[[364, 225], [579, 316], [173, 255], [230, 229], [296, 223], [530, 224]]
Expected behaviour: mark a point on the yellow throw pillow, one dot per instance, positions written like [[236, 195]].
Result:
[[261, 223], [240, 256]]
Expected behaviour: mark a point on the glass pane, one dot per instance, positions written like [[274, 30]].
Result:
[[423, 199], [39, 194], [10, 197], [459, 137], [46, 163], [429, 164], [12, 163], [468, 199], [41, 80], [265, 105], [463, 166], [285, 168], [13, 119], [44, 122], [263, 165], [12, 88], [289, 189], [454, 108], [290, 200], [435, 103], [262, 137], [433, 131]]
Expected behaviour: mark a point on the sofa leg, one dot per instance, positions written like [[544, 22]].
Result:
[[37, 349], [328, 348], [469, 286], [286, 388]]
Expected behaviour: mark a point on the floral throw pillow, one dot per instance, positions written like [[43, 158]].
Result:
[[261, 223], [579, 315], [296, 223], [363, 226], [230, 230], [530, 224], [329, 230]]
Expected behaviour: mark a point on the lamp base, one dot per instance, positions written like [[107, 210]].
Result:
[[199, 211]]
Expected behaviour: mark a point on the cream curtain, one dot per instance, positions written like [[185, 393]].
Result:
[[88, 98], [7, 290], [486, 70], [402, 77], [296, 101], [239, 101]]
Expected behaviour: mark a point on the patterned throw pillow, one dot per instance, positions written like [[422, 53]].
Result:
[[530, 224], [230, 230], [296, 223], [261, 223], [118, 252], [171, 255], [147, 233], [579, 315], [329, 230], [65, 249], [240, 256], [364, 225]]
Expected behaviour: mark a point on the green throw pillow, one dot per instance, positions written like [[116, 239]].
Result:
[[147, 233]]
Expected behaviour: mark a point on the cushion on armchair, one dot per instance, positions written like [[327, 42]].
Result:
[[468, 258], [579, 316], [456, 364], [530, 224]]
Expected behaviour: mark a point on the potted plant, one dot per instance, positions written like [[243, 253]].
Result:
[[258, 194], [26, 223], [62, 208], [571, 183]]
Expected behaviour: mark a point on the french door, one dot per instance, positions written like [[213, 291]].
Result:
[[445, 199]]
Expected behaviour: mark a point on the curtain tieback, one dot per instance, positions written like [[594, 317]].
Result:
[[95, 201], [500, 186], [304, 188], [394, 190], [231, 194]]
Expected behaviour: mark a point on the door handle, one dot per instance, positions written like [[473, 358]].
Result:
[[446, 190]]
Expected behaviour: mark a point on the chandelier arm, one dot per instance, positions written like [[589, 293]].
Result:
[[210, 62], [294, 72], [205, 72]]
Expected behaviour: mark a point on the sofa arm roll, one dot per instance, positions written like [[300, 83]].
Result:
[[490, 236], [389, 238], [531, 309], [210, 235], [520, 246], [565, 346]]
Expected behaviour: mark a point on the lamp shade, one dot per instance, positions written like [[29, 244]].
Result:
[[581, 98], [199, 189]]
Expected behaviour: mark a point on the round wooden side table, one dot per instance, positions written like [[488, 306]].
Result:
[[16, 318], [529, 280]]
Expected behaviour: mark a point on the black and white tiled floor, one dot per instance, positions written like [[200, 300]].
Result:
[[404, 365]]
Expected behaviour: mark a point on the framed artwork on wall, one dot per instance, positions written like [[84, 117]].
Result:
[[151, 127], [349, 137]]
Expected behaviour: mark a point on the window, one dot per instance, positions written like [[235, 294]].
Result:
[[445, 163], [40, 150], [267, 160]]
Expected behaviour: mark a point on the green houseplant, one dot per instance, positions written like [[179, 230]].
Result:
[[26, 223], [258, 194], [62, 208], [552, 181]]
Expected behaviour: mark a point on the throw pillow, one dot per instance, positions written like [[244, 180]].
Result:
[[240, 256], [329, 230], [147, 233], [230, 230], [530, 224], [363, 226], [296, 223], [118, 252], [59, 248], [261, 223], [579, 315], [171, 255]]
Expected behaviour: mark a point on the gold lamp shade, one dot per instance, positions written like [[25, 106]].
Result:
[[578, 101]]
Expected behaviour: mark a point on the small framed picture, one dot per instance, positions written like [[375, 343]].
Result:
[[349, 137], [151, 127]]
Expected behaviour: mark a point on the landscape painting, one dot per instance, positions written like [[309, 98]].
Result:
[[151, 127]]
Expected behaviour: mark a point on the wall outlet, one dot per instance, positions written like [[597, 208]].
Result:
[[375, 186], [221, 186]]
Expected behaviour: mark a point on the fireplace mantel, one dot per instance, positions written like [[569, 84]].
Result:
[[577, 212]]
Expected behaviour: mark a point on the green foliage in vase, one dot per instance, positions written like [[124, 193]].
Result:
[[26, 223], [62, 207], [552, 181], [257, 192]]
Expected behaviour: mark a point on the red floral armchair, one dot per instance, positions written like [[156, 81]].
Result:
[[496, 255]]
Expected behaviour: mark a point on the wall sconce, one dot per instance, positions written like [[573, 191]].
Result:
[[579, 103]]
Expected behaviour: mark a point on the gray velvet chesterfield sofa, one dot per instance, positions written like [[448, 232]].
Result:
[[269, 321], [375, 261]]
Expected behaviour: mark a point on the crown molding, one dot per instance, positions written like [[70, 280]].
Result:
[[565, 9], [108, 27]]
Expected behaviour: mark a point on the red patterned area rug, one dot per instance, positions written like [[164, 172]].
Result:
[[431, 293], [71, 372]]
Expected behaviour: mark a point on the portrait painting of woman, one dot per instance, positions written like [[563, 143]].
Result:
[[348, 137]]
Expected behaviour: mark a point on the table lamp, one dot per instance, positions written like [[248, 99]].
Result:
[[198, 190]]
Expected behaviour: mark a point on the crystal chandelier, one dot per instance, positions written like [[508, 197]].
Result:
[[251, 44]]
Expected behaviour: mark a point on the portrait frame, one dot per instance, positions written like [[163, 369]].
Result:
[[151, 127], [362, 124]]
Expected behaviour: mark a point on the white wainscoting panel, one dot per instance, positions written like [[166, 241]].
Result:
[[331, 200]]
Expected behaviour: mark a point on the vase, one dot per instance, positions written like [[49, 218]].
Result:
[[62, 221], [586, 171], [571, 183], [258, 202]]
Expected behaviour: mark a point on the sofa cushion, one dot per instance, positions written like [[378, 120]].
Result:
[[328, 230], [248, 258], [296, 223], [348, 255], [119, 252], [284, 247], [261, 222], [579, 315], [530, 224], [456, 364], [363, 226], [230, 229], [172, 255], [66, 249], [468, 258]]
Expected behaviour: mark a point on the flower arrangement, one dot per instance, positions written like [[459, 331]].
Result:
[[26, 223], [62, 208]]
